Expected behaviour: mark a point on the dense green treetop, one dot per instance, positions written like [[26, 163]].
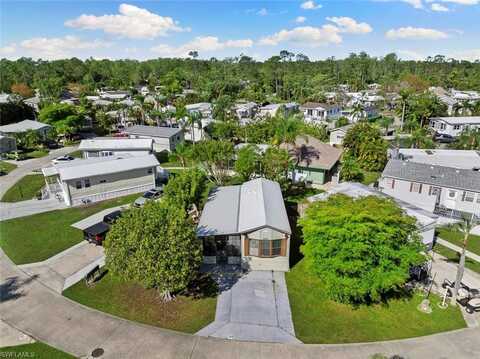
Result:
[[362, 249]]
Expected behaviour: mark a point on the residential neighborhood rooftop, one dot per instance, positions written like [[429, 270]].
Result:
[[152, 131], [116, 144], [464, 179], [23, 126], [466, 159], [238, 209], [314, 153], [458, 120], [99, 166]]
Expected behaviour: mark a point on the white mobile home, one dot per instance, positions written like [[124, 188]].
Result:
[[24, 126], [97, 179], [454, 126], [164, 138], [446, 191], [7, 144], [314, 112], [246, 225], [104, 147]]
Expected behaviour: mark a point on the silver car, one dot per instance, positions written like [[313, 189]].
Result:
[[150, 195]]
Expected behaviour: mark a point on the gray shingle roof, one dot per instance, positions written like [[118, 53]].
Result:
[[23, 126], [435, 175], [458, 120], [153, 131], [240, 209]]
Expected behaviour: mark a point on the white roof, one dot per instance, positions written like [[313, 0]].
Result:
[[471, 120], [116, 144], [99, 166], [245, 208], [449, 158], [23, 126], [356, 190]]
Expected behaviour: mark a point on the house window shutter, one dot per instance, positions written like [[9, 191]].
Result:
[[420, 189], [246, 246], [283, 248], [411, 186]]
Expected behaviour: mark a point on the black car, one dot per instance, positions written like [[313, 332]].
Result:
[[96, 234], [111, 218], [444, 138]]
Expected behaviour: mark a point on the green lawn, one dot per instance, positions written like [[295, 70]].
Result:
[[25, 189], [40, 236], [131, 301], [455, 237], [35, 153], [36, 350], [454, 257], [7, 167], [76, 154], [320, 320], [370, 177]]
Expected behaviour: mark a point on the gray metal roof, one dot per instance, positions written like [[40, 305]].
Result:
[[472, 120], [152, 131], [466, 159], [95, 167], [116, 144], [240, 209], [23, 126], [442, 176]]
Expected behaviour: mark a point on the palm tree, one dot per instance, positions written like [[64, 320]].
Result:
[[182, 153], [464, 227], [194, 118], [357, 112], [404, 94]]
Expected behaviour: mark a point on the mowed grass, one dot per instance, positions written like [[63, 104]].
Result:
[[131, 301], [7, 167], [37, 237], [370, 177], [26, 188], [36, 350], [456, 237], [454, 257], [320, 320]]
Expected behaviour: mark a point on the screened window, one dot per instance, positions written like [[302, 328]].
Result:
[[87, 183], [78, 184], [265, 248], [468, 196]]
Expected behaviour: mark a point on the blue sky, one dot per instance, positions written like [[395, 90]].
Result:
[[413, 29]]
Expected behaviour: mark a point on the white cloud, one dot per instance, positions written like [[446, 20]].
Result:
[[415, 33], [300, 19], [307, 35], [463, 2], [200, 44], [262, 12], [417, 4], [8, 50], [310, 5], [132, 22], [439, 8], [349, 25], [59, 47], [469, 55], [410, 55]]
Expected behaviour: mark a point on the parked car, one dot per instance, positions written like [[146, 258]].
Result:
[[111, 218], [63, 159], [96, 234], [444, 138], [150, 195]]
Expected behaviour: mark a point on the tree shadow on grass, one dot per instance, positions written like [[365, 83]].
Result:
[[11, 288], [203, 286]]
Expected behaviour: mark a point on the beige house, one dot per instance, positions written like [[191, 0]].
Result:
[[96, 179], [247, 225]]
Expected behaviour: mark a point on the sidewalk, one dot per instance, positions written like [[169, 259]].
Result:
[[38, 311], [456, 248], [27, 208]]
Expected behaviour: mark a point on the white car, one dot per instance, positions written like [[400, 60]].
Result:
[[63, 159]]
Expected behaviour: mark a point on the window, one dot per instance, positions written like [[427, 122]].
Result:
[[103, 181], [87, 182], [78, 184], [468, 196], [456, 127], [391, 183], [415, 187], [150, 171], [265, 248]]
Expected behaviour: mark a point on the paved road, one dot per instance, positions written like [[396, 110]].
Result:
[[27, 208], [255, 308], [457, 249], [27, 166], [38, 311]]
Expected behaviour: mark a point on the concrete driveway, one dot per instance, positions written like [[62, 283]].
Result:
[[26, 167], [38, 311], [255, 308], [27, 208]]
